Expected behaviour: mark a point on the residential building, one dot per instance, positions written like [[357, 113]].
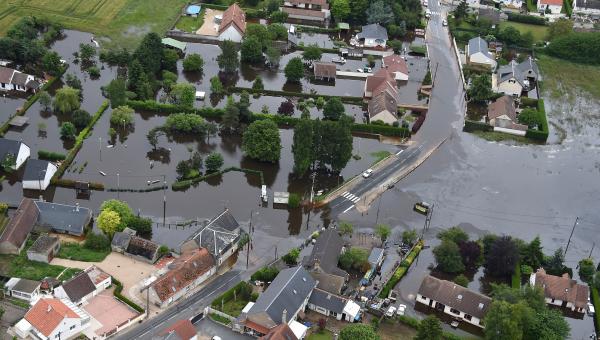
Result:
[[51, 319], [63, 218], [322, 263], [281, 332], [396, 65], [457, 301], [13, 80], [514, 78], [376, 258], [233, 24], [324, 70], [478, 53], [382, 91], [586, 7], [18, 228], [23, 289], [561, 291], [332, 305], [44, 248], [180, 330], [143, 249], [306, 10], [78, 289], [373, 35], [184, 274], [553, 6], [502, 114], [100, 278], [220, 236], [38, 174], [17, 150], [285, 298]]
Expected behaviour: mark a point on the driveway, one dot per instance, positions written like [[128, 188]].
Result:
[[108, 312], [209, 27]]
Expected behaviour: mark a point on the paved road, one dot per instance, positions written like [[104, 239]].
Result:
[[446, 100]]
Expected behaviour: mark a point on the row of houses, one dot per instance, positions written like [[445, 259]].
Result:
[[37, 174], [13, 80]]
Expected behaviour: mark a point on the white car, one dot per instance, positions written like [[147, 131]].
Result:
[[591, 309], [391, 311], [401, 310], [367, 173], [445, 22], [427, 14], [216, 337]]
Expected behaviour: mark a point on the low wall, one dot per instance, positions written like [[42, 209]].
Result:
[[510, 131], [191, 37]]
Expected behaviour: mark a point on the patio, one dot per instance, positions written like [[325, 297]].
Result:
[[108, 312]]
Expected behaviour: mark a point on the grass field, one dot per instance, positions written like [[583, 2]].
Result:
[[190, 24], [564, 78], [123, 22], [540, 33], [75, 251], [326, 335]]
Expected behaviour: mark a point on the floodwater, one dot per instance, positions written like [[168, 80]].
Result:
[[9, 105]]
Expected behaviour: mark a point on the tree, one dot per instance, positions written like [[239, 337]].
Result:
[[447, 256], [502, 258], [586, 270], [244, 107], [278, 17], [461, 10], [212, 129], [530, 118], [532, 254], [45, 99], [340, 9], [383, 231], [117, 92], [122, 116], [109, 222], [51, 63], [96, 242], [72, 81], [153, 135], [273, 55], [258, 84], [66, 99], [312, 53], [142, 225], [67, 130], [379, 13], [291, 258], [501, 323], [454, 234], [150, 53], [548, 324], [251, 50], [481, 88], [470, 253], [294, 70], [185, 123], [193, 63], [286, 108], [213, 162], [228, 59], [333, 109], [429, 329], [302, 151], [260, 34], [409, 236], [357, 331], [354, 258], [461, 280], [346, 228], [510, 35], [80, 118], [277, 31], [231, 116], [183, 169], [560, 28], [138, 81], [169, 60], [272, 6], [120, 207], [261, 141], [216, 86], [168, 80], [86, 53], [183, 94]]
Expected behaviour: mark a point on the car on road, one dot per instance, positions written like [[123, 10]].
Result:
[[445, 22], [340, 60], [216, 337], [427, 13], [391, 311], [591, 309], [365, 69], [367, 173], [401, 310]]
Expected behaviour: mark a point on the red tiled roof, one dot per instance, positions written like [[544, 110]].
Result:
[[562, 288], [47, 314], [504, 105], [184, 329], [96, 274], [235, 16], [552, 2], [21, 224], [281, 332], [303, 12], [186, 269], [259, 328], [395, 63], [6, 74]]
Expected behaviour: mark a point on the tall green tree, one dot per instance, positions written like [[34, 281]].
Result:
[[447, 256], [357, 331], [228, 60], [213, 162], [193, 63], [231, 116], [66, 99], [501, 323], [429, 329], [244, 107], [109, 222], [251, 50], [383, 231], [461, 10], [357, 11], [122, 116], [294, 70], [117, 92], [169, 60], [454, 234], [303, 150], [273, 55], [261, 141], [150, 53], [555, 264], [379, 12], [333, 109], [560, 28], [51, 63], [45, 99], [183, 94], [340, 9], [481, 88], [587, 270], [138, 81], [67, 130], [502, 257], [312, 53], [532, 254], [86, 53]]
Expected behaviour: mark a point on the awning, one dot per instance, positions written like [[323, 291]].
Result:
[[180, 45], [298, 329], [352, 309]]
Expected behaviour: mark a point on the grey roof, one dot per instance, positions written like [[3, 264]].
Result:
[[19, 79], [34, 170], [331, 302], [587, 4], [287, 292], [326, 252], [218, 234], [373, 31], [477, 44], [62, 217], [529, 65], [43, 244], [382, 102], [79, 286], [519, 71], [9, 146], [490, 14], [26, 286], [376, 253], [121, 239]]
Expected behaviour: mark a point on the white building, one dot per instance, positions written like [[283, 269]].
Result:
[[307, 10], [51, 319], [515, 4], [457, 301], [13, 80], [78, 289], [373, 35], [332, 305], [233, 25], [478, 53], [561, 291], [14, 149], [555, 6], [23, 289], [38, 174]]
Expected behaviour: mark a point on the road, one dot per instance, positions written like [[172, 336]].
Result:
[[446, 99]]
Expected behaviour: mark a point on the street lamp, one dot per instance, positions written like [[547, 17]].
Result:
[[250, 231]]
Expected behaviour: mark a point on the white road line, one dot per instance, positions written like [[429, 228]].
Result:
[[345, 211], [356, 199], [399, 152]]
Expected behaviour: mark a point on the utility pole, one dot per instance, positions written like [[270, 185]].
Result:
[[428, 220], [164, 199], [118, 186], [591, 250], [100, 147], [572, 230], [435, 73], [312, 193], [378, 205]]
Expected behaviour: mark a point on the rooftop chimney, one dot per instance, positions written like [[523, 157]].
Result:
[[49, 309], [284, 316]]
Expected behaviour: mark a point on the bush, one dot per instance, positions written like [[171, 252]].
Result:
[[122, 116], [294, 200], [291, 258], [118, 295], [265, 274], [193, 63], [576, 47], [471, 126], [95, 241], [242, 290], [526, 19], [399, 273], [51, 156], [67, 130]]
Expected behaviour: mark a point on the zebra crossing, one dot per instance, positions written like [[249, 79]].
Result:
[[351, 197]]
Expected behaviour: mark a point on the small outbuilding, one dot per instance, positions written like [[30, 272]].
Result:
[[44, 248], [324, 71], [23, 289], [174, 44]]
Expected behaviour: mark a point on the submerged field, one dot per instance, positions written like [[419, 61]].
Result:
[[123, 22]]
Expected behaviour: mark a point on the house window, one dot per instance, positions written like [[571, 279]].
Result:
[[72, 328], [468, 317], [454, 311]]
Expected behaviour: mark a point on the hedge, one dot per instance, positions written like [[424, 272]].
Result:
[[154, 106], [345, 99], [401, 270], [414, 323], [542, 133], [529, 102], [323, 49], [185, 184], [471, 125], [228, 295], [69, 183], [118, 295], [384, 130], [526, 19], [51, 156], [516, 277], [313, 29], [567, 7], [596, 302]]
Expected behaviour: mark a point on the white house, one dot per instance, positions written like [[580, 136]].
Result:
[[586, 7], [555, 6], [13, 80], [233, 24], [14, 149], [308, 10], [23, 289], [78, 289], [515, 4], [51, 319], [332, 305], [452, 299], [478, 53], [561, 291], [38, 174], [373, 35]]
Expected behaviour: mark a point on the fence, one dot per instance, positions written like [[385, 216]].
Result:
[[191, 37], [123, 325]]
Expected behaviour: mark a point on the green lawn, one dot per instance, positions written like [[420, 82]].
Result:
[[20, 266], [562, 78], [539, 32], [75, 251], [234, 308], [190, 24], [379, 155], [325, 335], [123, 22], [494, 136]]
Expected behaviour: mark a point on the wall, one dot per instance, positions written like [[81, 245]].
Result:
[[231, 34], [24, 153]]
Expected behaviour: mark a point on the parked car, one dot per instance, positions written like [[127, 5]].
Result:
[[422, 208], [391, 311], [340, 60], [445, 22], [365, 69], [401, 310], [427, 13], [591, 309], [367, 173]]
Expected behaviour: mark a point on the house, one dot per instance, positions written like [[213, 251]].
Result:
[[478, 53], [13, 80], [376, 258], [553, 6], [44, 248], [338, 307], [120, 241], [586, 7], [308, 10], [502, 114], [78, 289], [184, 274], [514, 4], [100, 278], [38, 174], [324, 70], [233, 24], [12, 149], [23, 289], [143, 249], [514, 78], [561, 291], [63, 218], [281, 332], [383, 107], [452, 299], [285, 298], [18, 228], [180, 330], [220, 237], [490, 14], [373, 35], [323, 260], [396, 65], [51, 319], [380, 81]]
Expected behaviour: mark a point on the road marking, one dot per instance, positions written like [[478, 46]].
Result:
[[351, 197], [345, 211], [399, 152]]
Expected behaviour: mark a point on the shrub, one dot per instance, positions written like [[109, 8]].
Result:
[[97, 242], [193, 63], [51, 156], [118, 295], [80, 118], [265, 274], [471, 126], [94, 72], [291, 258], [3, 208], [122, 116], [294, 200], [526, 19], [461, 280], [67, 130]]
